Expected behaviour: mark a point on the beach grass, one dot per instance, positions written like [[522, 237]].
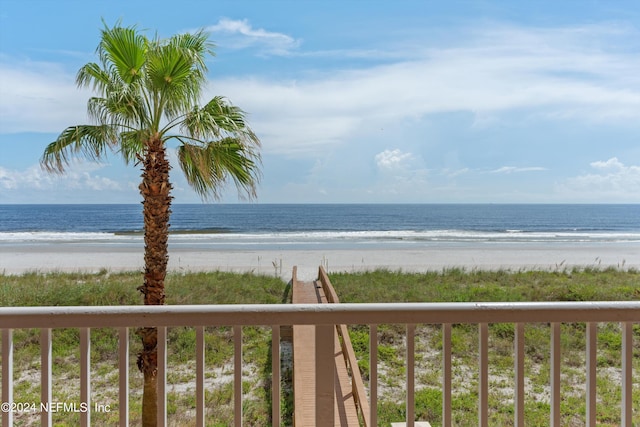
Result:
[[106, 288], [460, 285]]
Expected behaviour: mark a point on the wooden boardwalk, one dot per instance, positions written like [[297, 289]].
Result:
[[304, 380]]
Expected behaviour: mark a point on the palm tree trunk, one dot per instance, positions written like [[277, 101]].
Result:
[[156, 200]]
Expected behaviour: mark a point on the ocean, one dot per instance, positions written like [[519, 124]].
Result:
[[343, 226]]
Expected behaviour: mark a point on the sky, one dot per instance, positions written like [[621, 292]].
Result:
[[457, 101]]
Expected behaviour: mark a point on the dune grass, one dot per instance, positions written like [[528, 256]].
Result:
[[458, 285], [105, 288]]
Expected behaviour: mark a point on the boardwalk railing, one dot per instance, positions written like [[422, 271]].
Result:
[[358, 388], [409, 314]]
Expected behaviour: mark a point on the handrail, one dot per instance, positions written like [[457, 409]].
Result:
[[318, 314], [357, 385], [328, 289], [359, 391]]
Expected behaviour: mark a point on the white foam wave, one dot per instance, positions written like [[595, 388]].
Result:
[[54, 236], [326, 237], [408, 236]]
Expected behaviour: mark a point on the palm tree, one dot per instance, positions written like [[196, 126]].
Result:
[[147, 94]]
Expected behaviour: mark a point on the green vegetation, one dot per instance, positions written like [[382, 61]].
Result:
[[458, 285], [108, 288]]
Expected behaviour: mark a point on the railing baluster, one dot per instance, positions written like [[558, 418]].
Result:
[[411, 379], [45, 376], [123, 371], [85, 375], [446, 374], [237, 375], [162, 376], [555, 374], [627, 374], [592, 338], [483, 375], [373, 374], [7, 375], [275, 375], [325, 375], [200, 376], [519, 375]]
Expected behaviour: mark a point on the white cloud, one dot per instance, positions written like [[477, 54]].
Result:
[[79, 176], [39, 97], [612, 180], [513, 169], [401, 175], [393, 160], [453, 173], [540, 75], [239, 34], [612, 164]]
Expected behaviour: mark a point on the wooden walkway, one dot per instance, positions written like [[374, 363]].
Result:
[[304, 380]]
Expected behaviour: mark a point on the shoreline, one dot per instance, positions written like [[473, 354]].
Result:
[[21, 259]]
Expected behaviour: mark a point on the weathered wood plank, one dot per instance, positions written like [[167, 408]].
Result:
[[304, 367]]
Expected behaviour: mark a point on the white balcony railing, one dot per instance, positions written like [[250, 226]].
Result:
[[409, 314]]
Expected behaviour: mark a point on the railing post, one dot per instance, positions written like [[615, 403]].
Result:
[[519, 375], [483, 375], [555, 374], [275, 376], [161, 386], [373, 374], [591, 373], [7, 375], [446, 374], [45, 376], [85, 375], [325, 375], [123, 366], [411, 378], [627, 374], [237, 376], [200, 409]]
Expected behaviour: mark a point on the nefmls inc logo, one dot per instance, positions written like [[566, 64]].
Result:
[[64, 407]]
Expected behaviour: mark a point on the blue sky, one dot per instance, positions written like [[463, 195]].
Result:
[[358, 101]]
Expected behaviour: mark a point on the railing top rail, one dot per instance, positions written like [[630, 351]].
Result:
[[329, 291], [311, 314]]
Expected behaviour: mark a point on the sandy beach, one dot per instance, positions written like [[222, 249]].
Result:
[[19, 259]]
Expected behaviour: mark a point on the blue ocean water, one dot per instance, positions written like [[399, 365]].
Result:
[[304, 225]]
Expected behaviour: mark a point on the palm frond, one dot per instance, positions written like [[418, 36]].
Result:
[[132, 145], [168, 69], [207, 168], [219, 119], [91, 75], [90, 142], [177, 71], [196, 45], [125, 49], [128, 107]]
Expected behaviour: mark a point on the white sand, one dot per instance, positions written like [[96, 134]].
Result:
[[19, 259]]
